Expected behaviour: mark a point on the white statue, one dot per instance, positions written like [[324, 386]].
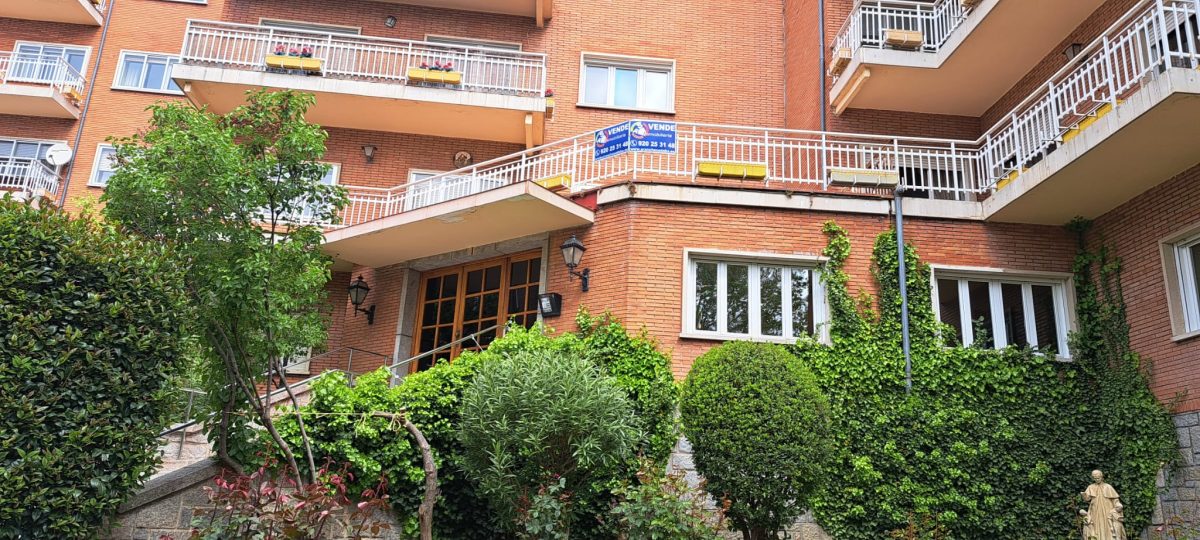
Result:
[[1104, 519]]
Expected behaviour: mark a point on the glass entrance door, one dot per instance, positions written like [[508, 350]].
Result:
[[482, 297]]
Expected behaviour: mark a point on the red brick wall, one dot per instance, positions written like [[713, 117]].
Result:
[[1134, 230], [635, 253]]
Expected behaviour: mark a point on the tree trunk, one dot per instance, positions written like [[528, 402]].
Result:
[[425, 511]]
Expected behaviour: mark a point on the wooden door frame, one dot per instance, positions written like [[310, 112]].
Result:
[[461, 270]]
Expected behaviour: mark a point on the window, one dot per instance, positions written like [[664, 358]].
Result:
[[104, 166], [146, 71], [33, 62], [310, 27], [307, 212], [738, 298], [1182, 262], [627, 83], [997, 311]]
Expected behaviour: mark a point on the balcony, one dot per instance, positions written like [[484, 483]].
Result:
[[540, 10], [371, 83], [89, 12], [27, 177], [920, 56], [1103, 130], [36, 85]]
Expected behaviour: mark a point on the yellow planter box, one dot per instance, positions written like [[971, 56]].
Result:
[[73, 95], [280, 61], [863, 178], [434, 76], [903, 39], [1087, 122], [555, 183], [550, 108], [724, 169], [841, 59]]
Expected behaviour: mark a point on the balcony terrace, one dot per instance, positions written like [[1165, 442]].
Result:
[[40, 85], [27, 177], [371, 83], [1098, 133], [89, 12], [918, 56]]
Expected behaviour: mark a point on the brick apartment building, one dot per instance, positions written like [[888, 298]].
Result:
[[1000, 121]]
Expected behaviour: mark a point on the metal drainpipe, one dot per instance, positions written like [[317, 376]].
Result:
[[898, 198], [821, 18], [87, 104]]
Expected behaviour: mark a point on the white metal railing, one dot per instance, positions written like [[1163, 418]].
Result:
[[941, 168], [27, 174], [375, 59], [41, 69], [1153, 36], [869, 20]]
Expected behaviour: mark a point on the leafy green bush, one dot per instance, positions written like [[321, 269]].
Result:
[[90, 337], [990, 444], [660, 506], [759, 428], [643, 371], [537, 417]]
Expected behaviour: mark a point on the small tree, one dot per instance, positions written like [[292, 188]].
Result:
[[90, 339], [760, 431], [536, 427], [235, 196]]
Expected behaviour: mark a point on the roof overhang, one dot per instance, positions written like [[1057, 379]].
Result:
[[496, 215]]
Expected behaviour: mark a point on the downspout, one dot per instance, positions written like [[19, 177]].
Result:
[[899, 201], [822, 105], [87, 104]]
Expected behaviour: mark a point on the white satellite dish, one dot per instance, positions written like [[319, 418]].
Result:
[[59, 155]]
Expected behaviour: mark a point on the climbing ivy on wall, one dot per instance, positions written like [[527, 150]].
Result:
[[990, 444]]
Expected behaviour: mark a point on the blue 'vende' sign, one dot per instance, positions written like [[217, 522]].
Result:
[[636, 135]]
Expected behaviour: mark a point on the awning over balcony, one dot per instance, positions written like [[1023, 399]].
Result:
[[942, 58], [89, 12], [504, 213], [371, 83]]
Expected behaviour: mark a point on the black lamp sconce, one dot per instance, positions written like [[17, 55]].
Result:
[[358, 293], [572, 251]]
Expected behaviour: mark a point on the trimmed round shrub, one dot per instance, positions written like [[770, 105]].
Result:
[[540, 424], [90, 342], [760, 432]]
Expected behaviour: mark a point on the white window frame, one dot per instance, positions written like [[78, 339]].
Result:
[[92, 178], [308, 26], [87, 55], [120, 71], [1062, 288], [459, 41], [1183, 293], [640, 63], [755, 260]]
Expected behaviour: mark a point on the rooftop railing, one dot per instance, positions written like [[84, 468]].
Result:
[[869, 22], [42, 70], [373, 59], [27, 175], [1153, 36]]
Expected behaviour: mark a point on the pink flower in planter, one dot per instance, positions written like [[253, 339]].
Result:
[[294, 52], [549, 92], [448, 66], [424, 65], [280, 49]]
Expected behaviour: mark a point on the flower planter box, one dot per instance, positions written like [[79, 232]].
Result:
[[841, 59], [863, 177], [311, 65], [730, 169], [904, 39], [550, 108], [71, 94], [434, 76], [555, 183]]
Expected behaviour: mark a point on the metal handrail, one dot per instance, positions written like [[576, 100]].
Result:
[[374, 59], [869, 19], [498, 328], [41, 69], [29, 175]]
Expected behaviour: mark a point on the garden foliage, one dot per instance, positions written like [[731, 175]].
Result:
[[990, 444], [91, 337], [759, 428]]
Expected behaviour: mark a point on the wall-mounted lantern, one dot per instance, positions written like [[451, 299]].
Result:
[[572, 251], [369, 152], [358, 293]]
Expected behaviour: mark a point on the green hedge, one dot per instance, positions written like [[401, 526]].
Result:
[[90, 341], [990, 444]]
